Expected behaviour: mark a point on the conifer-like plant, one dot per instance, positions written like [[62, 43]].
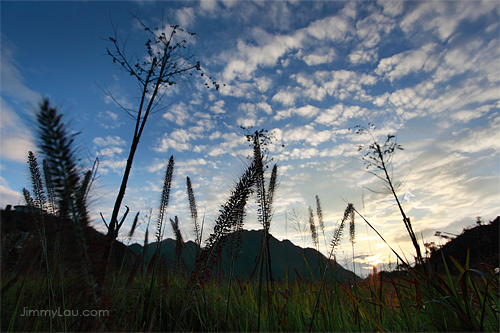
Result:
[[68, 189]]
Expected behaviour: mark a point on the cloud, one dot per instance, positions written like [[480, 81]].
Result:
[[8, 196], [305, 111], [370, 28], [178, 113], [12, 80], [469, 114], [218, 106], [208, 6], [109, 141], [442, 18], [109, 145], [117, 166], [109, 120], [15, 138], [166, 143], [214, 135], [465, 58], [307, 134], [362, 56], [303, 153], [177, 140], [185, 17], [248, 57], [263, 83], [392, 8], [321, 56], [339, 114], [333, 28], [477, 139], [286, 97], [407, 62]]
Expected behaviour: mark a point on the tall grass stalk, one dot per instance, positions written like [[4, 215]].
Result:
[[337, 236], [155, 260], [224, 224]]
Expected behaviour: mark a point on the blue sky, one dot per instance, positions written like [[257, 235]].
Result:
[[427, 72]]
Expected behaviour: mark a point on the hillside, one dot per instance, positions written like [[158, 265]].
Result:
[[481, 242], [308, 263], [21, 241]]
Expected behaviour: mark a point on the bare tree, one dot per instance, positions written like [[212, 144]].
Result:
[[380, 157], [168, 61]]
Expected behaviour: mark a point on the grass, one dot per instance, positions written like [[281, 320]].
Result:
[[151, 297], [468, 302]]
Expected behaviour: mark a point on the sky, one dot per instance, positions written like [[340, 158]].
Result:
[[307, 71]]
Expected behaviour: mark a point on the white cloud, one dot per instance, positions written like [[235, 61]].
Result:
[[339, 114], [303, 153], [442, 17], [370, 28], [341, 84], [407, 62], [109, 141], [8, 196], [305, 111], [208, 6], [218, 107], [265, 107], [249, 58], [166, 143], [15, 138], [467, 115], [477, 139], [116, 166], [391, 8], [333, 28], [178, 114], [185, 17], [263, 83], [214, 135], [307, 134], [181, 135], [286, 97], [109, 120], [216, 151], [12, 80], [111, 151], [319, 57], [362, 56]]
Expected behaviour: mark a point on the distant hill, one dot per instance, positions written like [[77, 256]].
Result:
[[482, 243], [308, 263]]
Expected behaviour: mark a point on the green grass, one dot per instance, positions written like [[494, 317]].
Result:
[[467, 302]]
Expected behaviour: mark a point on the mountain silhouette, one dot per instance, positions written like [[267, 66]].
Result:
[[299, 263]]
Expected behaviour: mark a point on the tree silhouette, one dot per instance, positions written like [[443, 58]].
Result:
[[380, 157], [168, 61]]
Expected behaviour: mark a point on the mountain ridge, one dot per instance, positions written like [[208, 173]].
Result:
[[287, 259]]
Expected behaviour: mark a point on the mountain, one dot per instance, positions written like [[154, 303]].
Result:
[[481, 242], [285, 256]]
